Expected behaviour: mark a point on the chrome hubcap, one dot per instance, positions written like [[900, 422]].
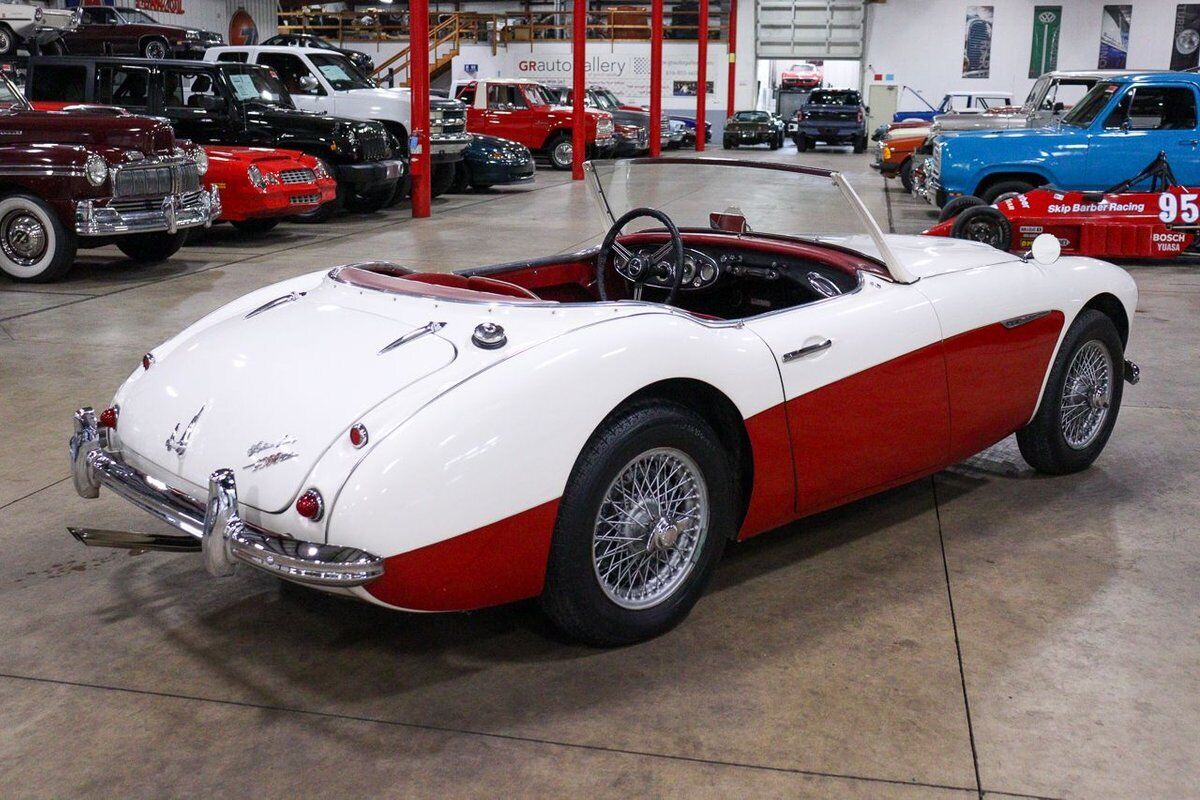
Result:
[[1087, 394], [650, 528], [563, 153], [23, 238]]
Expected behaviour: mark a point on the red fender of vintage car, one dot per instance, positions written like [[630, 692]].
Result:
[[289, 182], [1152, 225]]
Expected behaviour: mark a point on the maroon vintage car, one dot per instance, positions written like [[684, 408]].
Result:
[[91, 177], [121, 30]]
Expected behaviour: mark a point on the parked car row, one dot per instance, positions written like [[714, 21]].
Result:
[[1049, 167]]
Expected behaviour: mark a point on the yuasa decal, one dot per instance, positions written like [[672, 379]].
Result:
[[1178, 209]]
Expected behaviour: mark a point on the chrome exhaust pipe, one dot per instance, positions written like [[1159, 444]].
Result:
[[128, 540]]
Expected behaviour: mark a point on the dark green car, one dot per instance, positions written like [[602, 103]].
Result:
[[754, 127], [491, 161]]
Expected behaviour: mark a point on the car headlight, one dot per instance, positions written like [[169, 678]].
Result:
[[320, 170], [256, 177], [201, 160], [95, 169]]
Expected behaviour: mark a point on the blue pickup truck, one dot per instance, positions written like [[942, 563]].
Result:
[[1125, 120]]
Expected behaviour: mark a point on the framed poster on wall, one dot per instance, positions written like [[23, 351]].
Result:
[[1185, 51], [1043, 54], [1114, 36], [977, 42]]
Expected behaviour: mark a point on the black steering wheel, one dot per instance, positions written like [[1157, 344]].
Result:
[[638, 269]]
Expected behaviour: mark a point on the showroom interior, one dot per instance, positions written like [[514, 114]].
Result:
[[689, 398]]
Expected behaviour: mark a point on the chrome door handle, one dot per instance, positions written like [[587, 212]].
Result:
[[807, 351]]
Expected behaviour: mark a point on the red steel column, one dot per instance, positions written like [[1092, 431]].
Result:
[[656, 48], [701, 73], [418, 73], [578, 90], [732, 43]]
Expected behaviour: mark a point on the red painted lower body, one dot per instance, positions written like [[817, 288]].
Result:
[[868, 432]]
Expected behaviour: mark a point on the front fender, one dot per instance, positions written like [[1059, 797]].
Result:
[[476, 474]]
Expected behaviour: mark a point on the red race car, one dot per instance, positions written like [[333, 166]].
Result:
[[261, 186], [1148, 216]]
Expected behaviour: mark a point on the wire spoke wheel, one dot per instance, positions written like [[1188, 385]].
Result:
[[650, 528], [1087, 394]]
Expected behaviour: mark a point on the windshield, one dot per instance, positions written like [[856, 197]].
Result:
[[601, 101], [803, 68], [1091, 105], [752, 116], [133, 15], [828, 98], [795, 201], [612, 98], [9, 96], [253, 84], [340, 72], [535, 95]]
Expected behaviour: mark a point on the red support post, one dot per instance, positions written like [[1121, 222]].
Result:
[[656, 48], [701, 73], [578, 90], [729, 101], [418, 72]]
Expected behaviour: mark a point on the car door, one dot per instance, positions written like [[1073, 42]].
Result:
[[97, 25], [127, 87], [508, 114], [306, 88], [195, 103], [1146, 120], [864, 383]]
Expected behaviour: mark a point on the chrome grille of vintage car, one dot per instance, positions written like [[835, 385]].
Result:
[[151, 203], [374, 144], [156, 179], [297, 176]]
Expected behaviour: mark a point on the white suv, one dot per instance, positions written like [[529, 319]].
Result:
[[325, 80]]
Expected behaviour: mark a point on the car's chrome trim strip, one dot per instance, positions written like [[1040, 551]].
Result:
[[1024, 319], [427, 328]]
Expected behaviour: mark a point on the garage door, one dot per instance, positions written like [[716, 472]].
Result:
[[809, 29]]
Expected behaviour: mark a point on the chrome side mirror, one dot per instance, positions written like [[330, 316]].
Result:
[[1045, 250]]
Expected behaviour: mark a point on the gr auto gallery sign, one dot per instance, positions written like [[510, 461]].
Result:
[[627, 73]]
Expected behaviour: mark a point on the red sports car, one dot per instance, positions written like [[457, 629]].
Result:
[[260, 186], [1148, 216], [804, 75]]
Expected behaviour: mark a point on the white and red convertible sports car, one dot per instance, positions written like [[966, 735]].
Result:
[[591, 428]]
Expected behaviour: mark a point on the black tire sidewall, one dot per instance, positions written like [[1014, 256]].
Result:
[[150, 248], [906, 179], [956, 206], [574, 597], [1041, 441], [1003, 226], [1004, 187]]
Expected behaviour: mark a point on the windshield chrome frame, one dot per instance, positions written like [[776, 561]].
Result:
[[896, 269]]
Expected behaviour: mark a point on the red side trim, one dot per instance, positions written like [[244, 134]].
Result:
[[773, 498], [498, 563]]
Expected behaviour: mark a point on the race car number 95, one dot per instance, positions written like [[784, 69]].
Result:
[[1178, 209]]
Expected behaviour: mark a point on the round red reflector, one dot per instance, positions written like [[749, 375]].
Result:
[[358, 435], [310, 505], [108, 417]]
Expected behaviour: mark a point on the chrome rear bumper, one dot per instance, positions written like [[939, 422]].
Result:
[[213, 529]]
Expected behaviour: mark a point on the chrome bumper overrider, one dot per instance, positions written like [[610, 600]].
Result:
[[214, 528], [172, 214]]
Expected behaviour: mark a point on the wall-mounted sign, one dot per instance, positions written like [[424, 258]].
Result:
[[1186, 51], [1043, 56], [977, 42], [1114, 36], [471, 69], [161, 6], [242, 29]]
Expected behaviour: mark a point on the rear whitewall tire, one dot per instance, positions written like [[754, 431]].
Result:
[[35, 247]]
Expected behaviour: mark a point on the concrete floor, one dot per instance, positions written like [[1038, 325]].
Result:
[[984, 632]]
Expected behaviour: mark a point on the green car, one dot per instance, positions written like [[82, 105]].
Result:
[[754, 127]]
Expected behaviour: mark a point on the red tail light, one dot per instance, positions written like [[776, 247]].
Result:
[[860, 115], [108, 417], [358, 435], [310, 505]]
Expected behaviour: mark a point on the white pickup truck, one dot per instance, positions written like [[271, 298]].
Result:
[[325, 80], [23, 24]]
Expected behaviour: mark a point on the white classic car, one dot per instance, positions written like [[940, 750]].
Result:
[[591, 428], [23, 23]]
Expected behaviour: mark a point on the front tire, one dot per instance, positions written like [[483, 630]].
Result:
[[642, 523], [155, 49], [371, 200], [8, 41], [150, 248], [906, 176], [801, 142], [1004, 189], [983, 224], [1082, 398], [958, 205], [35, 247], [441, 180], [860, 143], [254, 227]]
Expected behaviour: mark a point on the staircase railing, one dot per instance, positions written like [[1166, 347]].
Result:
[[445, 39]]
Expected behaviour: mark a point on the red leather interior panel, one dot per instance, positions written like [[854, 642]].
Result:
[[995, 376], [498, 563], [473, 283]]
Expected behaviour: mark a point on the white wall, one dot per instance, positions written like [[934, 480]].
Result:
[[921, 42], [214, 15]]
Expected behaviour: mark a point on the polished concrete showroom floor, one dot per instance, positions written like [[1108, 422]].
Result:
[[987, 631]]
